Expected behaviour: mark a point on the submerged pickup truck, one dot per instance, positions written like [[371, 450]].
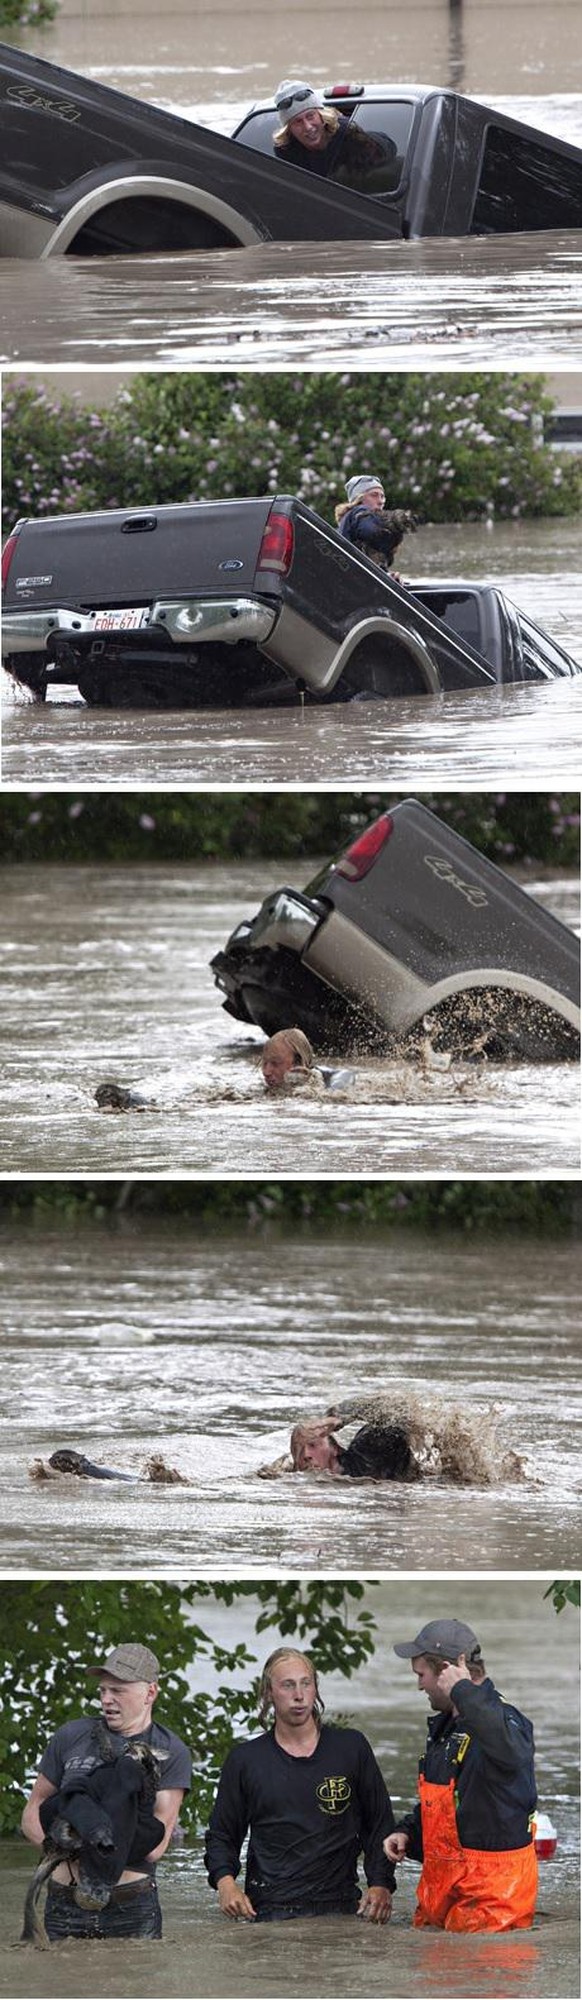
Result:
[[87, 171], [231, 603], [409, 930]]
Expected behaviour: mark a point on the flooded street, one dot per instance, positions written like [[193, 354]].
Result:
[[488, 301], [206, 1345], [471, 737], [107, 973], [203, 1957], [468, 303]]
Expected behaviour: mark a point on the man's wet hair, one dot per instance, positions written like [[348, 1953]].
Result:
[[265, 1684], [301, 1435]]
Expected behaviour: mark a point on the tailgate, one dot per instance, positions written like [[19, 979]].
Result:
[[128, 557]]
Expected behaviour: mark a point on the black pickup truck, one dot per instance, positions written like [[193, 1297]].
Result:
[[88, 171], [230, 603], [409, 931]]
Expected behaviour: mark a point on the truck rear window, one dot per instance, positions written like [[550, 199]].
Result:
[[525, 185], [374, 167], [460, 609]]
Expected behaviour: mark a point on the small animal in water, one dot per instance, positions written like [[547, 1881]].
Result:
[[113, 1096]]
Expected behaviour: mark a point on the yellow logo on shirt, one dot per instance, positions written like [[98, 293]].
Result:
[[334, 1795]]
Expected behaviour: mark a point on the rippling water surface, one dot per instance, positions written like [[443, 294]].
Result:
[[107, 973], [471, 737], [207, 1346]]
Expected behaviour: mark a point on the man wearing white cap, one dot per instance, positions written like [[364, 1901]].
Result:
[[317, 136], [70, 1764], [368, 525], [472, 1827]]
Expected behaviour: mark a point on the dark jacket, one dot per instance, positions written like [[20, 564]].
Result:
[[352, 156], [309, 1819], [489, 1750], [371, 530]]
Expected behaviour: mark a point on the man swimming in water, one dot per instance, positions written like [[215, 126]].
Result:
[[378, 1451]]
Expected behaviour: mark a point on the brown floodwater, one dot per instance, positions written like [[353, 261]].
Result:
[[206, 1345], [471, 303], [106, 973], [475, 738], [534, 1659]]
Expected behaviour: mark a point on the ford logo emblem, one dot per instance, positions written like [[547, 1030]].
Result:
[[232, 562]]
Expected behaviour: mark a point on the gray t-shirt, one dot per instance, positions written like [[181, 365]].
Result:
[[74, 1747]]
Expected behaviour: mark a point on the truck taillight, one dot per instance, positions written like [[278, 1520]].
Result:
[[276, 550], [7, 554], [365, 850]]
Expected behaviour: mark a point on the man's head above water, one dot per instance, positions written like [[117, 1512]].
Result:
[[128, 1687], [444, 1652], [287, 1051], [288, 1692], [313, 1446]]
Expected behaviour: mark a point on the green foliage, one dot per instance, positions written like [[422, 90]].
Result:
[[564, 1592], [492, 1208], [27, 13], [193, 827], [50, 1632], [451, 447]]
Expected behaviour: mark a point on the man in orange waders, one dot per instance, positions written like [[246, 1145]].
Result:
[[472, 1827]]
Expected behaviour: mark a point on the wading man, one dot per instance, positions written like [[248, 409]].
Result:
[[314, 1799], [472, 1827], [72, 1768]]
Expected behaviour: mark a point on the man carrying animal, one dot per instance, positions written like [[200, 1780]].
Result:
[[313, 1797], [106, 1800], [472, 1826]]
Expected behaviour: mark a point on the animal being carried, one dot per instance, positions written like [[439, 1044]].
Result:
[[102, 1820]]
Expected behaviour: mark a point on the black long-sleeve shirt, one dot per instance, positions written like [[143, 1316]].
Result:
[[309, 1818], [494, 1778]]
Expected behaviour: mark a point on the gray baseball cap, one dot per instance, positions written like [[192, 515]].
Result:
[[444, 1636], [129, 1663]]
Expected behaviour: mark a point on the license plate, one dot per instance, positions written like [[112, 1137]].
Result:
[[129, 620]]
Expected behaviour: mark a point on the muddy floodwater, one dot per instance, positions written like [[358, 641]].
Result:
[[203, 1957], [472, 302], [471, 737], [469, 303], [106, 973], [206, 1347]]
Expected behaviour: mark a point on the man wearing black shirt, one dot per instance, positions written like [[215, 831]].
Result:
[[313, 1798]]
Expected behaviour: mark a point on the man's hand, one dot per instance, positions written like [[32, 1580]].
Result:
[[449, 1675], [233, 1901], [376, 1905], [396, 1846]]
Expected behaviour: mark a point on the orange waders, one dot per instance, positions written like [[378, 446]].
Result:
[[469, 1888]]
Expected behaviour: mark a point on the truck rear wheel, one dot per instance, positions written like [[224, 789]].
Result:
[[382, 667], [498, 1025]]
